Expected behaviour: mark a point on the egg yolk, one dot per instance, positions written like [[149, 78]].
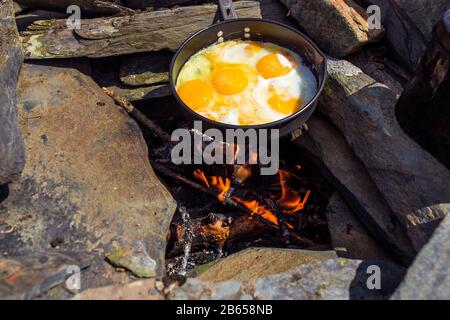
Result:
[[196, 93], [270, 66], [230, 80], [288, 106]]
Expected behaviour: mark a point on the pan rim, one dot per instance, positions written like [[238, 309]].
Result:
[[267, 125]]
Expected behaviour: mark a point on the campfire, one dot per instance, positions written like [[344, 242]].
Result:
[[271, 208], [237, 207], [276, 210]]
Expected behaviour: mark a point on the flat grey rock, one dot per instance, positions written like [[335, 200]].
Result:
[[333, 279], [328, 148], [12, 153], [263, 262], [409, 25], [407, 176], [339, 27], [429, 276], [349, 237], [148, 69], [88, 184], [30, 275]]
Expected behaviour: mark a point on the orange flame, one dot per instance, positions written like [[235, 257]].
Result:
[[217, 183], [221, 185], [255, 207], [201, 176], [290, 201]]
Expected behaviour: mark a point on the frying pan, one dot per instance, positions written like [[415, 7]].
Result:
[[232, 28]]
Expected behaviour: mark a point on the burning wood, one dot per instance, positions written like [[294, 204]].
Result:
[[221, 189], [289, 202]]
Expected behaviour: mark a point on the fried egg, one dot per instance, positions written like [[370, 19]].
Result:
[[245, 82]]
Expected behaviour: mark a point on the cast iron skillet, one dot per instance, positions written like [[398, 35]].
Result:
[[258, 30]]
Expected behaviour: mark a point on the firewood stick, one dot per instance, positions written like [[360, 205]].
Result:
[[227, 200], [139, 116]]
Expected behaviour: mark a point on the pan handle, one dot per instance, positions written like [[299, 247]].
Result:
[[227, 9]]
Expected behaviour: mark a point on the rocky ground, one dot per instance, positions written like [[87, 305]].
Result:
[[77, 188]]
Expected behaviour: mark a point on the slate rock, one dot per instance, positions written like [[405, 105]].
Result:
[[146, 69], [376, 61], [327, 147], [88, 177], [30, 275], [141, 93], [424, 221], [18, 8], [407, 176], [106, 74], [330, 280], [349, 237], [422, 110], [143, 4], [263, 262], [97, 7], [146, 31], [24, 20], [136, 290], [429, 276], [135, 259], [336, 279], [339, 27], [409, 25], [12, 155], [195, 289]]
